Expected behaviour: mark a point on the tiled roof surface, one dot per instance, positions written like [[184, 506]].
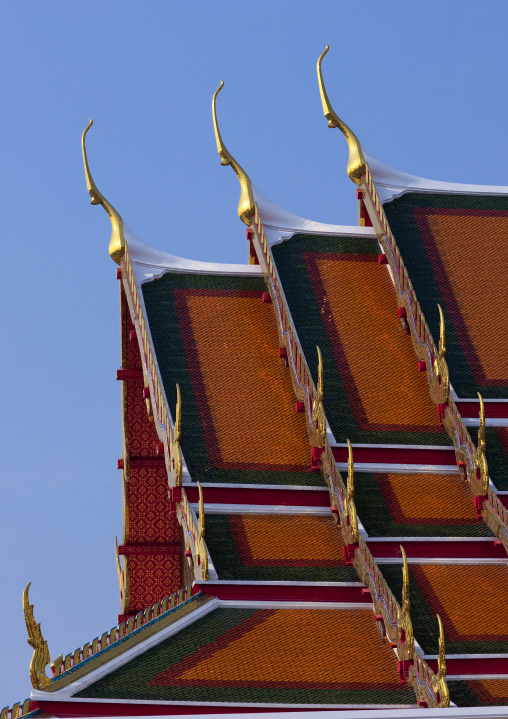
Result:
[[292, 547], [455, 250], [300, 656], [470, 599], [342, 299], [416, 505], [479, 692], [214, 336]]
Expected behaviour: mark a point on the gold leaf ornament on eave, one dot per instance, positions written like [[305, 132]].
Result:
[[41, 657], [117, 241], [356, 165], [246, 204]]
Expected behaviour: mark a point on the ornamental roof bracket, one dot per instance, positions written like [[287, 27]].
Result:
[[318, 412], [40, 658], [480, 459], [439, 684], [117, 241], [246, 204], [356, 164]]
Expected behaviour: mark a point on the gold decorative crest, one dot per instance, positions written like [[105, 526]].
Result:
[[350, 507], [356, 164], [246, 203], [117, 241], [480, 459], [40, 658], [440, 365], [405, 640], [318, 412]]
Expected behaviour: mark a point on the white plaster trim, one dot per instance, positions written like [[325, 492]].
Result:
[[316, 714], [254, 604], [261, 509], [281, 225], [467, 656], [457, 677], [489, 422], [149, 262], [392, 183], [431, 539], [402, 468], [448, 448]]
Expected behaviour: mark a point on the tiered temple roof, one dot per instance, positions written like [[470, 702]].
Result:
[[314, 464]]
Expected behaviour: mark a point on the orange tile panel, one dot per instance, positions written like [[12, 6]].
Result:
[[267, 539], [489, 690], [469, 598], [386, 391], [316, 648], [455, 241], [248, 390], [427, 498]]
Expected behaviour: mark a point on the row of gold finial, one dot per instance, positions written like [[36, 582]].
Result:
[[17, 710], [194, 535], [41, 656]]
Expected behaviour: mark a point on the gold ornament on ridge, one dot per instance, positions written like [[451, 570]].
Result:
[[117, 241], [318, 412], [350, 507], [480, 458], [176, 451], [440, 365], [246, 203], [40, 658], [405, 639], [356, 163]]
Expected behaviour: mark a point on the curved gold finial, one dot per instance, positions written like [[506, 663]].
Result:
[[117, 241], [406, 604], [350, 472], [246, 203], [442, 650], [356, 164], [442, 333], [318, 411], [201, 528], [40, 658], [482, 442]]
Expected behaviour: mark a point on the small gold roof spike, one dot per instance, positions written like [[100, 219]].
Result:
[[246, 203], [356, 163], [117, 242]]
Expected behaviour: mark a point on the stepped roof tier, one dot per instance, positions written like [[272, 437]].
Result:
[[314, 465]]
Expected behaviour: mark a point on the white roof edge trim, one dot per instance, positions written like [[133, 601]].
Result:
[[281, 225], [149, 263], [392, 183]]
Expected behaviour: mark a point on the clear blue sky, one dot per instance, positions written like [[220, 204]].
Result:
[[423, 84]]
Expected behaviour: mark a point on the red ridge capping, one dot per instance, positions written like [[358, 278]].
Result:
[[259, 495], [440, 456], [110, 709], [126, 374], [382, 259], [118, 273], [493, 410], [266, 298], [472, 665], [285, 593], [299, 407]]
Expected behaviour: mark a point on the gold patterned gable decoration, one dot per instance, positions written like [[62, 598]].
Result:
[[40, 658]]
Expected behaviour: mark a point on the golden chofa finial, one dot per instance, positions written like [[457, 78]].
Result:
[[246, 203], [40, 658], [117, 242], [356, 163]]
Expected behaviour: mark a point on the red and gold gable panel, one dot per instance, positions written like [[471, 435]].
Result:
[[287, 656]]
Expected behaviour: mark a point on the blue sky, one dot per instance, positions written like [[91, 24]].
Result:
[[423, 85]]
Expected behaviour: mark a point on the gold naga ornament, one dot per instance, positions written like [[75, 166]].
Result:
[[201, 523], [439, 684], [41, 657], [246, 204], [176, 450], [356, 165], [349, 500], [440, 366], [479, 457], [405, 635], [318, 411], [117, 241]]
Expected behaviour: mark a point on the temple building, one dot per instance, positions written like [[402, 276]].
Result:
[[314, 464]]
